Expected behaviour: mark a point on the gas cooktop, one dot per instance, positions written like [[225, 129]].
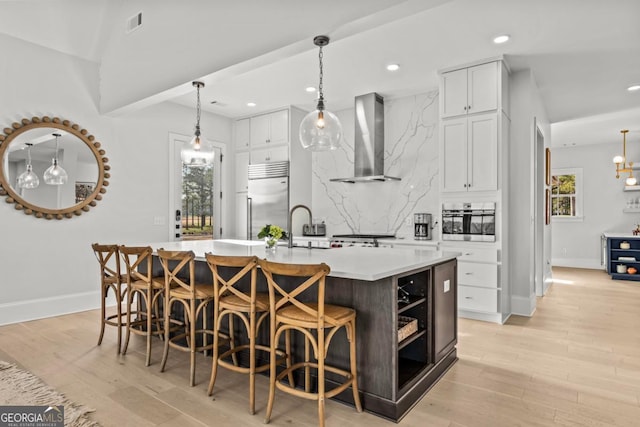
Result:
[[362, 240], [364, 236]]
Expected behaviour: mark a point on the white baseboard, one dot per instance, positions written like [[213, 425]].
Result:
[[41, 308], [577, 263], [523, 306]]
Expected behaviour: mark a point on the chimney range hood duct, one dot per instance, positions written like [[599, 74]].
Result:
[[369, 141]]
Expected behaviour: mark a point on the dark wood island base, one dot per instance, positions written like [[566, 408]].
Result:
[[393, 374]]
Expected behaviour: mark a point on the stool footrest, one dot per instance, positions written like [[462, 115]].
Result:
[[310, 395]]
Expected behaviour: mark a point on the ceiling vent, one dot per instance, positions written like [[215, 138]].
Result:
[[134, 22]]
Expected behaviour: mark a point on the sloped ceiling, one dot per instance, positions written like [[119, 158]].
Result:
[[583, 53]]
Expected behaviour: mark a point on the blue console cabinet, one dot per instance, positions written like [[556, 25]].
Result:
[[630, 257]]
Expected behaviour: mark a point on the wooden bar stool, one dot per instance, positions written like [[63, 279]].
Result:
[[251, 308], [110, 278], [194, 298], [289, 313], [149, 289]]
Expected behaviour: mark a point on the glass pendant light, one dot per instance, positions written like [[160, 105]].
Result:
[[55, 175], [320, 130], [28, 179], [198, 151]]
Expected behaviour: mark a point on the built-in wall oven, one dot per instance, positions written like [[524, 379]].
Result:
[[475, 222]]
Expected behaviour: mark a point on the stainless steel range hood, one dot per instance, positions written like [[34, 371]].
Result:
[[369, 141]]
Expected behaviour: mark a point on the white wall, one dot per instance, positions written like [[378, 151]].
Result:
[[526, 105], [48, 267], [577, 244]]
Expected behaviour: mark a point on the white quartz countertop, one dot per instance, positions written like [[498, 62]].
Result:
[[348, 262], [402, 241], [619, 235]]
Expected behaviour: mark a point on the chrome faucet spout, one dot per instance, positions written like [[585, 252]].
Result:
[[290, 225]]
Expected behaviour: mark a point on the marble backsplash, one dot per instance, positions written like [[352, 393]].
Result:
[[411, 153]]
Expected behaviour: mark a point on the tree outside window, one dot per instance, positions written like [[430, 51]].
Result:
[[197, 202], [566, 193]]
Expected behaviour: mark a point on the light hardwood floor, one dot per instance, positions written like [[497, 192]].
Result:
[[575, 363]]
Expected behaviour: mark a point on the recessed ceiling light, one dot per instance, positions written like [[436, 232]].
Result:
[[501, 39], [310, 89], [393, 67], [251, 104], [633, 88]]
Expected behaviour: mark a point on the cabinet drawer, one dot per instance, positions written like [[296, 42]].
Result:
[[474, 254], [477, 274], [477, 299], [275, 154]]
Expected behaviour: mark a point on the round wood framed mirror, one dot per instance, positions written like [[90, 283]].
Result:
[[51, 168]]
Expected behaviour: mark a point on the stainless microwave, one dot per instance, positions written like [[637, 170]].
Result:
[[475, 222]]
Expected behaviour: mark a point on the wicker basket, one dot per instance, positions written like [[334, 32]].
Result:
[[406, 327]]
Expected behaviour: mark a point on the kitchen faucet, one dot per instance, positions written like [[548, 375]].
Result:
[[290, 231]]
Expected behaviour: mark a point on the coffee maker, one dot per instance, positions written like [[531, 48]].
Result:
[[422, 226]]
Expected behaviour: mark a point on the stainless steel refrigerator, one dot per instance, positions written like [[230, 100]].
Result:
[[268, 197]]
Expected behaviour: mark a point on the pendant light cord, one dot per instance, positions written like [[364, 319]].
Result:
[[320, 56], [57, 146], [197, 133]]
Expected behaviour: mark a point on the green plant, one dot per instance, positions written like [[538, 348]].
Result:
[[272, 231]]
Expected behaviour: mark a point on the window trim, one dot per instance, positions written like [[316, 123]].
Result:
[[579, 195]]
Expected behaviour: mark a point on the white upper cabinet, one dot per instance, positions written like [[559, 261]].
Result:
[[270, 129], [469, 90], [270, 154], [470, 153], [482, 153], [243, 134]]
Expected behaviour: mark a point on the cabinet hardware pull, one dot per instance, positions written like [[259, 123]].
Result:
[[465, 186], [465, 108], [468, 274], [469, 253], [469, 107], [468, 297]]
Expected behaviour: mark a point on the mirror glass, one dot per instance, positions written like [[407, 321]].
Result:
[[73, 155], [32, 148]]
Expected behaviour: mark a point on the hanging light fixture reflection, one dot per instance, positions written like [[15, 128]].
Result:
[[621, 162], [320, 130], [55, 175], [28, 179], [198, 151]]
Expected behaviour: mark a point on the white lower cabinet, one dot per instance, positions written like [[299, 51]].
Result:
[[476, 274], [477, 299], [479, 281]]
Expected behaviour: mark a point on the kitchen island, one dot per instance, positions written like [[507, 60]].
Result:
[[384, 286]]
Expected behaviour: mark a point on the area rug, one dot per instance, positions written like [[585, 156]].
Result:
[[19, 387]]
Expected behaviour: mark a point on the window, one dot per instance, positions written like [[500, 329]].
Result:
[[566, 194]]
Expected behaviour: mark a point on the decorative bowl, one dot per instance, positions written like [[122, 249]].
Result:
[[632, 270], [625, 245]]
